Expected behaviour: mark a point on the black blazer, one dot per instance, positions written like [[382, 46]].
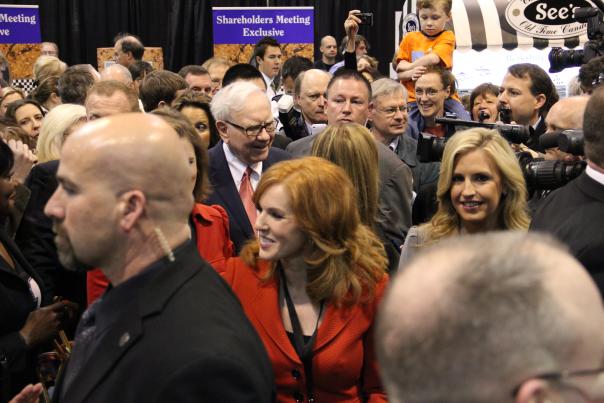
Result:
[[226, 194], [36, 239], [16, 302], [575, 215], [184, 338]]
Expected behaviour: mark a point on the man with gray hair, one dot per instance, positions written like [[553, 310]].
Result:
[[247, 129], [501, 317], [390, 126]]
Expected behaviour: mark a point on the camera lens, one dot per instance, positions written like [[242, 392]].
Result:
[[559, 59]]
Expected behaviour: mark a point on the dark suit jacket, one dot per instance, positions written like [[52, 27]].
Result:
[[36, 239], [184, 338], [226, 194], [575, 215], [344, 363], [394, 213], [16, 303]]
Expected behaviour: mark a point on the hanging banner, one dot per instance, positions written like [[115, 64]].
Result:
[[237, 29], [19, 24]]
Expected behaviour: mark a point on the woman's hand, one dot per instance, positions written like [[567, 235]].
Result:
[[29, 394], [44, 323], [24, 160]]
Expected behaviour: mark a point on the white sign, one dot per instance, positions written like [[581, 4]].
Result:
[[547, 19]]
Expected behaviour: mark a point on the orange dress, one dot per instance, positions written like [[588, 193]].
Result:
[[213, 242], [344, 363]]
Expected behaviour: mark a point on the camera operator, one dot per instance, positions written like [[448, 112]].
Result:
[[574, 213], [528, 92], [591, 74], [563, 115]]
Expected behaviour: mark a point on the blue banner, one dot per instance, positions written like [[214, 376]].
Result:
[[245, 25], [19, 24]]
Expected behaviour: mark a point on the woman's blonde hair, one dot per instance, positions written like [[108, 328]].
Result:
[[513, 213], [346, 258], [351, 147], [52, 133], [46, 66]]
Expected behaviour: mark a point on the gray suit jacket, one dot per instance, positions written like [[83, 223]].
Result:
[[394, 214]]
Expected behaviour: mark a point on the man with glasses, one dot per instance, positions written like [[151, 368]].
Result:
[[247, 129], [389, 126], [349, 101], [501, 317]]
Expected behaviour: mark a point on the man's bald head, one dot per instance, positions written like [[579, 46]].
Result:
[[567, 113], [135, 151], [117, 72], [474, 318], [123, 197]]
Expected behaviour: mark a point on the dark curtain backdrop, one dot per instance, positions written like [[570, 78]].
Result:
[[183, 28]]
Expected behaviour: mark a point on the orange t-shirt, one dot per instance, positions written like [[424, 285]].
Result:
[[416, 44]]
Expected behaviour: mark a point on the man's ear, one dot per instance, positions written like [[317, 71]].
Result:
[[132, 206], [540, 101], [258, 61], [221, 126], [534, 391]]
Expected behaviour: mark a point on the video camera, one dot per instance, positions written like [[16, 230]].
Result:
[[430, 148], [570, 141], [559, 59], [544, 174]]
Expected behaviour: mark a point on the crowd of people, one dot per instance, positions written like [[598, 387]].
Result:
[[301, 232]]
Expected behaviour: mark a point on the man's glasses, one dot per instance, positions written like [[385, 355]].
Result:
[[430, 92], [567, 377], [254, 131], [390, 112]]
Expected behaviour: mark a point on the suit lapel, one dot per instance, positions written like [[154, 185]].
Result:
[[333, 323], [224, 189], [266, 310]]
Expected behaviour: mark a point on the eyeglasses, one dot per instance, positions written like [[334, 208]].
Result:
[[390, 112], [596, 391], [254, 131], [430, 92]]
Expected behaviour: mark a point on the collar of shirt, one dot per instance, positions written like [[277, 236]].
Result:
[[394, 144], [595, 175], [115, 299], [269, 90], [537, 123], [237, 168]]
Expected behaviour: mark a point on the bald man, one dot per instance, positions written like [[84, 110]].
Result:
[[503, 317], [169, 330], [117, 72], [329, 51], [127, 49], [567, 113]]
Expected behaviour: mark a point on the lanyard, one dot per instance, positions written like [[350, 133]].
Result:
[[304, 350]]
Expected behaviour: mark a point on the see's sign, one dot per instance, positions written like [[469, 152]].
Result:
[[19, 24]]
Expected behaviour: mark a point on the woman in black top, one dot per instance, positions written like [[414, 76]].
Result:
[[25, 323]]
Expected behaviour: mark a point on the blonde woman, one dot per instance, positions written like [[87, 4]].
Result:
[[352, 147], [46, 66], [480, 188], [57, 125]]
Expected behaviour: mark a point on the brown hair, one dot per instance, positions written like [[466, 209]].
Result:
[[351, 146], [447, 4], [185, 130], [346, 258]]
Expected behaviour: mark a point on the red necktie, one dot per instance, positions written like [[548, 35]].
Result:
[[246, 192]]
